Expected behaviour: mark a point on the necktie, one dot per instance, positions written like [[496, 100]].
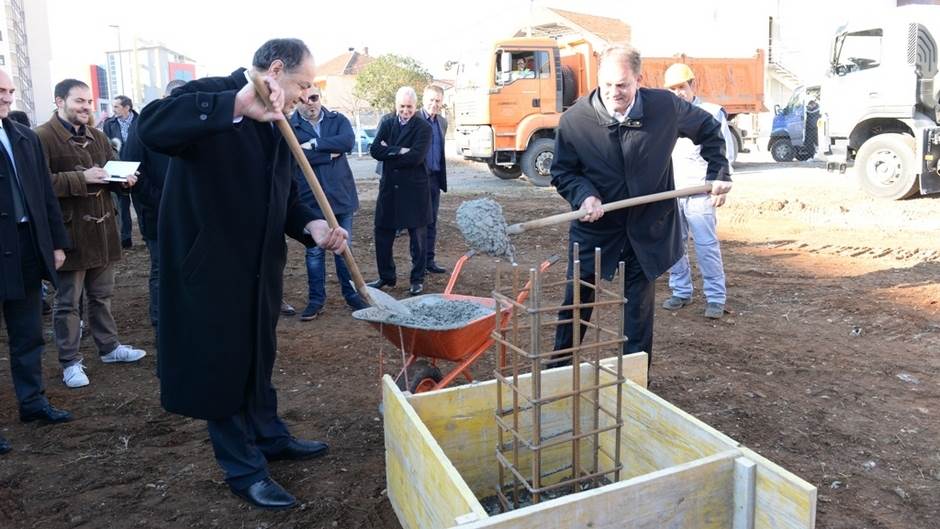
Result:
[[19, 207]]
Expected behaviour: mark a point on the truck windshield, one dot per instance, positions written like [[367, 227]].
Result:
[[857, 51], [527, 64]]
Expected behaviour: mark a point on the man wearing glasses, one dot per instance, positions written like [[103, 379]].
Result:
[[326, 137]]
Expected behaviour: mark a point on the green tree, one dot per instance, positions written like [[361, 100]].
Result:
[[381, 78]]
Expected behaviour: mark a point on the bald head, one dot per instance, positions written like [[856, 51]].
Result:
[[6, 94]]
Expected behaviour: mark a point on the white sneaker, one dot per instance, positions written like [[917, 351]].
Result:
[[123, 353], [74, 376]]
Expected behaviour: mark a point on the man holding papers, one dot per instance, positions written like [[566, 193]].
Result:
[[77, 152]]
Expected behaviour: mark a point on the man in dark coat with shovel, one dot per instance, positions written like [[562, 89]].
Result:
[[614, 144], [228, 200]]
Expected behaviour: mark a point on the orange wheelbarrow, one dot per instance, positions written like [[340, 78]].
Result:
[[422, 349]]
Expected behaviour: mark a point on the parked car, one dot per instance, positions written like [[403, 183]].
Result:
[[365, 138], [794, 131]]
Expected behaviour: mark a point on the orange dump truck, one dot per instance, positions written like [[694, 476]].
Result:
[[508, 103]]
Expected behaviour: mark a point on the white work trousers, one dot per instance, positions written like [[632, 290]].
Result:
[[698, 219]]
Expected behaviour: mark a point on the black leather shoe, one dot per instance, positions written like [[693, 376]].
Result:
[[47, 414], [4, 446], [266, 494], [299, 449], [434, 269], [416, 288], [127, 243], [379, 283]]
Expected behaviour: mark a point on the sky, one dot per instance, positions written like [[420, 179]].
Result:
[[221, 36]]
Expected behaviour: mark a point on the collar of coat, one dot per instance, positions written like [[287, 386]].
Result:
[[9, 126], [64, 135], [298, 121], [604, 117]]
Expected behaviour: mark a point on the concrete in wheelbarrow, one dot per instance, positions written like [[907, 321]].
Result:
[[678, 471]]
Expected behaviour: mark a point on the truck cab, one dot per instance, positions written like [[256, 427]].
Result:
[[507, 107], [880, 105]]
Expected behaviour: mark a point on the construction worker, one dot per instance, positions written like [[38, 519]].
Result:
[[697, 212]]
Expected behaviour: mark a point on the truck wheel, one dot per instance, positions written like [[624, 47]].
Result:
[[782, 150], [505, 173], [537, 161], [886, 166], [422, 376]]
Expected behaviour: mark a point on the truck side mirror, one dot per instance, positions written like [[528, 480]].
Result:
[[505, 68], [776, 109]]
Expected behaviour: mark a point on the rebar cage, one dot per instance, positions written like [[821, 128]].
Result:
[[533, 422]]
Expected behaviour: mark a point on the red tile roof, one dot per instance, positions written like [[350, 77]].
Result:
[[609, 29], [349, 63]]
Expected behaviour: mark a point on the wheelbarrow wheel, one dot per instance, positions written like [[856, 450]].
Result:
[[422, 376]]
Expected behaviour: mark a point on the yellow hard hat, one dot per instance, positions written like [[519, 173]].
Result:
[[677, 74]]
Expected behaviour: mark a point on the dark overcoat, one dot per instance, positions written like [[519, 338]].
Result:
[[87, 209], [335, 177], [41, 206], [228, 201], [112, 129], [149, 187], [404, 199], [595, 155]]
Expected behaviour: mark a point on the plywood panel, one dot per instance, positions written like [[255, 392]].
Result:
[[424, 488], [781, 500], [696, 495]]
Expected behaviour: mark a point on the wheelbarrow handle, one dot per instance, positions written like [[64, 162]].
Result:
[[610, 206], [314, 183]]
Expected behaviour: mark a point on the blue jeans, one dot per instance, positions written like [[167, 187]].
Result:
[[698, 219], [316, 269]]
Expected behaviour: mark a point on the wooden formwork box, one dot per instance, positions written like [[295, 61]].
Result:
[[678, 472]]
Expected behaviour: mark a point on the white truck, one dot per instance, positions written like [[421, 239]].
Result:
[[880, 105]]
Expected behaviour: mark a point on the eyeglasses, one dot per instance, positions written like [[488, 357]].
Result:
[[313, 98]]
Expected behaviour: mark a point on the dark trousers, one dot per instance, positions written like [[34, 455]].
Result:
[[384, 260], [638, 312], [154, 282], [24, 327], [124, 211], [432, 227], [242, 441]]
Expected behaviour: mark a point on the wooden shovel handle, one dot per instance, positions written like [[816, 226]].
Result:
[[610, 206], [282, 125]]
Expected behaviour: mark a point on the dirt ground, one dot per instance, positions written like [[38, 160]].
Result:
[[826, 364]]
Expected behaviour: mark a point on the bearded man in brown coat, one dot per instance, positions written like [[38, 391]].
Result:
[[76, 153]]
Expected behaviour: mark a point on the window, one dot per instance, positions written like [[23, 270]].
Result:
[[523, 65], [3, 60], [858, 51]]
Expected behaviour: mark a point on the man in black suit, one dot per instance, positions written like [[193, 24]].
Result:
[[617, 143], [33, 241], [147, 193], [401, 145], [431, 104]]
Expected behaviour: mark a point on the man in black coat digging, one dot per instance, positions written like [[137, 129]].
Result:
[[228, 200], [617, 143]]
